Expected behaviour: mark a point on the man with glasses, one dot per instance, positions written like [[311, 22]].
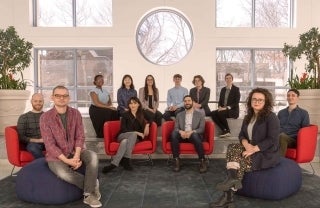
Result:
[[29, 129], [228, 106], [175, 98], [291, 119], [63, 135]]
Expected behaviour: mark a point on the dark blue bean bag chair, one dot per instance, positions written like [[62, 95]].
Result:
[[274, 183], [36, 183]]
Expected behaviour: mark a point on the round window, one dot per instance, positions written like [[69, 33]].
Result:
[[164, 37]]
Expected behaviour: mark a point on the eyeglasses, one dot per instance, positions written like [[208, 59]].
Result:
[[61, 96], [255, 100]]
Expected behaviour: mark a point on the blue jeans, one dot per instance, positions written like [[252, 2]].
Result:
[[36, 149], [195, 139], [86, 182]]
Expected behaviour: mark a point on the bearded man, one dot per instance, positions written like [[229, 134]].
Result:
[[29, 129], [189, 127]]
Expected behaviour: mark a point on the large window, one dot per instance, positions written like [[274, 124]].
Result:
[[72, 13], [254, 13], [74, 68], [164, 37], [267, 68]]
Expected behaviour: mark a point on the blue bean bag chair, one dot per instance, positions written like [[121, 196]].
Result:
[[274, 183], [36, 183]]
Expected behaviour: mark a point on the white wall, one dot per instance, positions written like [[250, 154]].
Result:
[[121, 37]]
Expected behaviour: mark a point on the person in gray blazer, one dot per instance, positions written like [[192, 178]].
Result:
[[201, 95], [189, 127]]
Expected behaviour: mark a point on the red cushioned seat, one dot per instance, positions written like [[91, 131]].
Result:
[[306, 145], [147, 146], [188, 148]]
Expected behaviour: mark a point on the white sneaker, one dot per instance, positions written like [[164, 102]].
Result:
[[97, 193], [92, 201], [225, 134]]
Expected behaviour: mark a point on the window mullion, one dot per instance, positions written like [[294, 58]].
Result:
[[74, 13]]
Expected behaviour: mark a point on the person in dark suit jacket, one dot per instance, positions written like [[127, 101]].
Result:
[[189, 127], [258, 148], [228, 106], [200, 95]]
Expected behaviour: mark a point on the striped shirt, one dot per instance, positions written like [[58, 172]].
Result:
[[28, 126]]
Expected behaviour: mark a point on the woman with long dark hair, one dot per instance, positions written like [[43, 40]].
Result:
[[134, 127], [149, 97], [125, 92], [258, 148]]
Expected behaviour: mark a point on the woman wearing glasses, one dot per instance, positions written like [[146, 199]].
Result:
[[258, 148], [149, 98], [101, 109]]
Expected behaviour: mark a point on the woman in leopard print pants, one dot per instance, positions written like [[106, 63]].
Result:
[[258, 147]]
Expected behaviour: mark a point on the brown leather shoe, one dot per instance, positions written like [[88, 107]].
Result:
[[176, 167], [203, 166]]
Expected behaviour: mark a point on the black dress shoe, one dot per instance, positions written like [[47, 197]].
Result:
[[108, 168], [203, 166], [176, 167], [126, 163]]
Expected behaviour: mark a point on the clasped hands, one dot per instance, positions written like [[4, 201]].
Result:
[[74, 162], [185, 134], [222, 108], [172, 108], [249, 149]]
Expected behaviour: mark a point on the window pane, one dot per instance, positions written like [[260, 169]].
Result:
[[233, 13], [94, 13], [56, 67], [254, 13], [57, 13], [74, 68], [60, 13], [271, 71], [238, 63], [91, 62], [268, 69], [272, 13], [164, 37]]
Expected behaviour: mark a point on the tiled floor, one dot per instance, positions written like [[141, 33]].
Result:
[[6, 167]]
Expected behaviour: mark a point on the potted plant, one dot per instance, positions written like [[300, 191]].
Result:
[[308, 83], [308, 46], [15, 57]]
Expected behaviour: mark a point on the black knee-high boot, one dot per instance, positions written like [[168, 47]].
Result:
[[225, 201], [232, 181]]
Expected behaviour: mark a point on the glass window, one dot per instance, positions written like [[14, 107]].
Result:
[[164, 37], [254, 13], [73, 13], [74, 68], [251, 68]]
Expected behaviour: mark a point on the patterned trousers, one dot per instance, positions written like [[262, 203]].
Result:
[[234, 156]]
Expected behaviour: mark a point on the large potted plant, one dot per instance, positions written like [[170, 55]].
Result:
[[308, 82], [15, 57]]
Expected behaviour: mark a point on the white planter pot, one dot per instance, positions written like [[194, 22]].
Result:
[[12, 105], [310, 100]]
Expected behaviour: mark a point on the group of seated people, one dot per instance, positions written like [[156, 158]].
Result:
[[102, 110], [60, 131]]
